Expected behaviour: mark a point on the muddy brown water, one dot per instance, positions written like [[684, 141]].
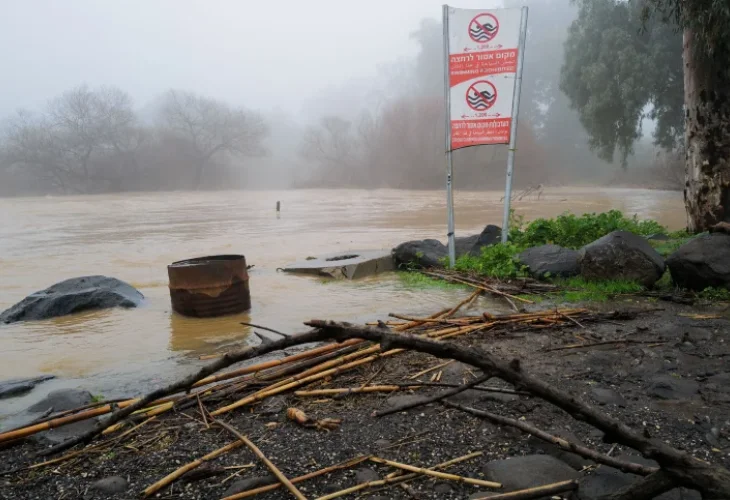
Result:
[[134, 237]]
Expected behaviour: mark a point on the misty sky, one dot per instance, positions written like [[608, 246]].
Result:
[[262, 54]]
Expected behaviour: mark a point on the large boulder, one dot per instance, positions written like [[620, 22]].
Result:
[[550, 260], [72, 296], [702, 262], [621, 255], [420, 253], [472, 245]]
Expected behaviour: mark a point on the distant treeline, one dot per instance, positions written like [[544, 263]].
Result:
[[92, 141]]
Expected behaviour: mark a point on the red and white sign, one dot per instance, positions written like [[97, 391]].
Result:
[[483, 50]]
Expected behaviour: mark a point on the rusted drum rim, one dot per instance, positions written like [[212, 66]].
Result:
[[209, 286]]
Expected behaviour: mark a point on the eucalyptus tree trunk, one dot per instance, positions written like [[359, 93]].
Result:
[[707, 137]]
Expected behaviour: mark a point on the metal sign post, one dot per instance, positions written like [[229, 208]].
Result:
[[513, 131], [483, 58], [449, 159]]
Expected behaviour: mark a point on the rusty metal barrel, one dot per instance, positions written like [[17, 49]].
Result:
[[205, 287]]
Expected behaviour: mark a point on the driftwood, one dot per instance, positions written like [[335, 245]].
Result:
[[600, 458], [536, 492], [185, 384], [683, 469], [433, 399]]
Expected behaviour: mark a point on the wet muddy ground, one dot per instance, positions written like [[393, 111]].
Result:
[[676, 388]]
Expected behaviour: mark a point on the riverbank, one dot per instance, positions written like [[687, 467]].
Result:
[[663, 372]]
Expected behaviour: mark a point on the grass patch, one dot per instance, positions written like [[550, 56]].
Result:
[[495, 261], [580, 290], [715, 294]]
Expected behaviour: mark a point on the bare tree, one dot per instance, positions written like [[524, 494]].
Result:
[[212, 129], [74, 145]]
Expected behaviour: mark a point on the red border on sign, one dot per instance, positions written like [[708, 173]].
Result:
[[490, 37]]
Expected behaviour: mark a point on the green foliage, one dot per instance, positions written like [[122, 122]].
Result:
[[572, 231], [496, 261], [616, 63], [715, 294], [579, 290], [415, 279], [668, 247], [97, 398]]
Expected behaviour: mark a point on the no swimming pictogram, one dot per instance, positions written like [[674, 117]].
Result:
[[481, 95], [483, 28]]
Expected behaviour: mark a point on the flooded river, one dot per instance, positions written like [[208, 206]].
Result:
[[134, 237]]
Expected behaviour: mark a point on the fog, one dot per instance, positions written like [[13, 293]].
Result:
[[322, 93]]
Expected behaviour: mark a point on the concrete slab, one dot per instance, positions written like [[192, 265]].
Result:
[[345, 265]]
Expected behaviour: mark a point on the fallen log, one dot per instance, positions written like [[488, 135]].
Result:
[[711, 480]]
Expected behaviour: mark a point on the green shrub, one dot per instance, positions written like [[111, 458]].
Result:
[[496, 261], [572, 231]]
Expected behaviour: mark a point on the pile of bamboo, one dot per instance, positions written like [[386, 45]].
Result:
[[221, 393]]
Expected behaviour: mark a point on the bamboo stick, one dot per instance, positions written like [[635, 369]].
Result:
[[436, 320], [269, 464], [484, 287], [263, 489], [276, 362], [440, 475], [396, 477], [165, 481], [429, 370], [397, 387], [536, 492]]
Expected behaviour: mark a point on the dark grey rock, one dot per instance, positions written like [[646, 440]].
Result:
[[73, 296], [472, 245], [443, 488], [702, 262], [605, 396], [420, 253], [668, 387], [607, 480], [382, 443], [273, 406], [399, 400], [19, 386], [550, 261], [249, 483], [528, 471], [365, 475], [62, 400], [621, 255], [111, 485], [575, 461]]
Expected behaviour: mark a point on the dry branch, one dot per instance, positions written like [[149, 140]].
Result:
[[433, 473], [170, 478], [433, 399], [537, 492], [269, 464], [711, 480], [600, 458]]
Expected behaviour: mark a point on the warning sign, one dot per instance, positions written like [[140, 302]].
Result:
[[483, 28], [483, 54], [481, 95]]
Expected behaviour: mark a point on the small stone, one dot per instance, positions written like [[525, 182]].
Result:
[[382, 443], [443, 488], [366, 475], [604, 396], [111, 485], [249, 484]]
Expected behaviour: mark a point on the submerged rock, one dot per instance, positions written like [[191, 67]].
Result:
[[472, 245], [420, 253], [550, 261], [702, 262], [19, 386], [62, 400], [72, 296], [621, 255]]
